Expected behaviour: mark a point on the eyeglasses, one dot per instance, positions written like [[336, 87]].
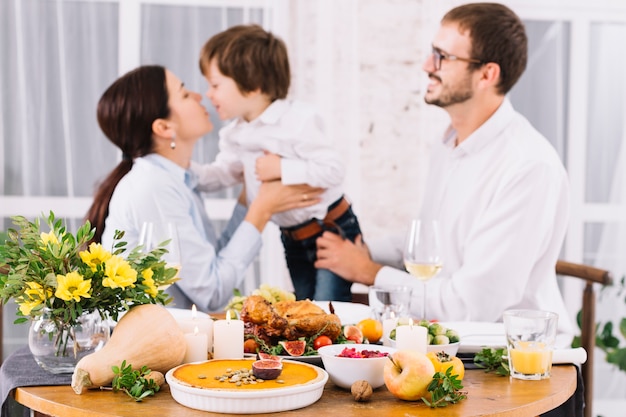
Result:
[[439, 55]]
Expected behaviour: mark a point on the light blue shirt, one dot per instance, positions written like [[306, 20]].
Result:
[[159, 191]]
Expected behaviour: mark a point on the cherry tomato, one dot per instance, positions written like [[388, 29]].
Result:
[[321, 341], [442, 361]]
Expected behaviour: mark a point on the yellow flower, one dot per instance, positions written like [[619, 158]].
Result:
[[36, 291], [149, 282], [34, 295], [27, 306], [118, 273], [95, 256], [49, 238], [72, 287]]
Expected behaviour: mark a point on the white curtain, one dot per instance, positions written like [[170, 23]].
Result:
[[58, 57], [542, 95], [606, 170]]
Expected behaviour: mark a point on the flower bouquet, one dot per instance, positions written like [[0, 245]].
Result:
[[61, 278]]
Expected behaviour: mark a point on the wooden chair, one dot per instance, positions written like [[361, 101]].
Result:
[[591, 276]]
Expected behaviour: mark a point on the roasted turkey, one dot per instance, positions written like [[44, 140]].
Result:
[[287, 320]]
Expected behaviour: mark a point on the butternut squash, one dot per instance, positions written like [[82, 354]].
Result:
[[148, 335]]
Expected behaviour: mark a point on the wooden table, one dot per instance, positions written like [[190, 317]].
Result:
[[488, 395]]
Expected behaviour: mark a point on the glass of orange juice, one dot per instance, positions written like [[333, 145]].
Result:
[[530, 336]]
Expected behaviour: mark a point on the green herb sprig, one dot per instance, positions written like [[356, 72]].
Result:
[[444, 389], [493, 360], [133, 383]]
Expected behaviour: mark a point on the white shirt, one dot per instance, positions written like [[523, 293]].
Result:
[[157, 190], [292, 130], [501, 198]]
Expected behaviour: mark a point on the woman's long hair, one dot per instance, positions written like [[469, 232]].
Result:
[[126, 112]]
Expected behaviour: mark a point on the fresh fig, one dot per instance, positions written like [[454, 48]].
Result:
[[294, 347], [267, 356], [267, 369]]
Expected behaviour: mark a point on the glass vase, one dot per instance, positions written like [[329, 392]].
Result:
[[57, 347]]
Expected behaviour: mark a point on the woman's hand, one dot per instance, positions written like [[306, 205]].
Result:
[[274, 197]]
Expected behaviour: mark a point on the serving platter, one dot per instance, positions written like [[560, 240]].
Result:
[[265, 399], [348, 313], [311, 359]]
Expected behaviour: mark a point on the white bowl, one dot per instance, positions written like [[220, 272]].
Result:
[[346, 371], [451, 348]]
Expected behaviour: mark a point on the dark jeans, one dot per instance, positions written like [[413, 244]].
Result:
[[319, 284]]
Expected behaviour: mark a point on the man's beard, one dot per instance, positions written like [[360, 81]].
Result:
[[452, 95]]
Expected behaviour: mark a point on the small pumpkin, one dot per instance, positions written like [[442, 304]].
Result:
[[148, 335]]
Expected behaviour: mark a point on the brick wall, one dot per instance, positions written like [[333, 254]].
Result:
[[360, 62]]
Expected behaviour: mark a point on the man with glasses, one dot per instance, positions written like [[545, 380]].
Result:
[[496, 185]]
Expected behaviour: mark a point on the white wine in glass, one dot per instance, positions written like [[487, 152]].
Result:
[[423, 256]]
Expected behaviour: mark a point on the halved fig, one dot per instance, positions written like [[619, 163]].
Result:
[[267, 356], [267, 369], [294, 347]]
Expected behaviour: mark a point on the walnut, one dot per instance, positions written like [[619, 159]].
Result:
[[361, 390]]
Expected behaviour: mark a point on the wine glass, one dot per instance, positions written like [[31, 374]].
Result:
[[423, 252], [154, 235]]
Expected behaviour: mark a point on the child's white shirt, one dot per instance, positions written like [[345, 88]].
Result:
[[292, 130]]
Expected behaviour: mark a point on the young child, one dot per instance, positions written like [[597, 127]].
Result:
[[272, 138]]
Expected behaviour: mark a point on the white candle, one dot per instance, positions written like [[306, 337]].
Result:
[[411, 337], [196, 347], [388, 325], [228, 338], [204, 325]]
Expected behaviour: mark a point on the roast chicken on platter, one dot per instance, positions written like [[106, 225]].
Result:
[[287, 320]]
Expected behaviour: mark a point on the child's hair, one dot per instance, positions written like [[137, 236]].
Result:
[[253, 58]]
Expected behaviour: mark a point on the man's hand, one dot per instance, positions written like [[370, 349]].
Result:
[[349, 260], [267, 167]]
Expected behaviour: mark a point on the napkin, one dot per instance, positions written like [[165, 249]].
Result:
[[576, 355]]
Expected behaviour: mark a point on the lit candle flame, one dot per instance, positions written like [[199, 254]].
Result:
[[228, 316], [411, 323], [194, 312]]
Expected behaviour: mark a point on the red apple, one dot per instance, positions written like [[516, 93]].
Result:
[[408, 374]]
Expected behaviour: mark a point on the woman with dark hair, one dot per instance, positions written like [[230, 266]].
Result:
[[155, 121]]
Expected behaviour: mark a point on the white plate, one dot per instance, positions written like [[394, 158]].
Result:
[[258, 401], [476, 335], [348, 313], [311, 359]]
